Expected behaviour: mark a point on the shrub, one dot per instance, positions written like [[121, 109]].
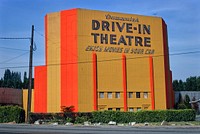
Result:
[[68, 119], [81, 119], [180, 115], [182, 106], [12, 113], [60, 117], [40, 116], [66, 109]]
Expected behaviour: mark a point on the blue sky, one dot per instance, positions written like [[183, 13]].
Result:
[[182, 18]]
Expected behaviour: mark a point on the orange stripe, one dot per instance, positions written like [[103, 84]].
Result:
[[124, 81], [40, 89], [94, 57], [152, 82], [46, 35], [69, 59]]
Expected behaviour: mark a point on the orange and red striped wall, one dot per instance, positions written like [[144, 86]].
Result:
[[56, 83], [75, 76]]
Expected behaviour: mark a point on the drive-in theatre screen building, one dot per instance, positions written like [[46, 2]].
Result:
[[98, 60]]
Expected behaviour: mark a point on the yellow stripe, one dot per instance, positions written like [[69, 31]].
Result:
[[53, 62]]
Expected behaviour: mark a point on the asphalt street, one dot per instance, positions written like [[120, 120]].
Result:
[[49, 129]]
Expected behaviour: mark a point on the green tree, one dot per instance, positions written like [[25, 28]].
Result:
[[32, 83], [11, 79], [16, 79], [187, 102], [179, 105], [191, 84], [7, 82], [25, 81], [178, 85], [180, 99], [181, 85]]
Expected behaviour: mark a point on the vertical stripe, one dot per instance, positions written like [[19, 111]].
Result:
[[152, 82], [69, 59], [53, 62], [166, 62], [40, 89], [124, 81], [46, 35], [94, 57]]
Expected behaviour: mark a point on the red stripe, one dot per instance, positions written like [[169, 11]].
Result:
[[152, 82], [94, 57], [124, 81], [69, 59], [40, 89], [40, 84]]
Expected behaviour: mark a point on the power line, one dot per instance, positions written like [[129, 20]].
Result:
[[14, 49], [14, 38], [13, 58], [39, 33], [106, 60], [42, 35], [14, 67], [184, 53]]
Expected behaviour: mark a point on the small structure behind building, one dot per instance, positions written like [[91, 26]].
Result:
[[11, 96]]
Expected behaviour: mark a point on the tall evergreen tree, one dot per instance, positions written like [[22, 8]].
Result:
[[25, 81], [7, 82], [187, 101], [11, 79]]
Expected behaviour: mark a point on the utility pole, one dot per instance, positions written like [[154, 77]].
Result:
[[30, 75]]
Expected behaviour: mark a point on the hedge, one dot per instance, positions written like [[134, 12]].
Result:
[[119, 117], [144, 116], [12, 113]]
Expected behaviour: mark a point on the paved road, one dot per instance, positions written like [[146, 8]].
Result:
[[48, 129]]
